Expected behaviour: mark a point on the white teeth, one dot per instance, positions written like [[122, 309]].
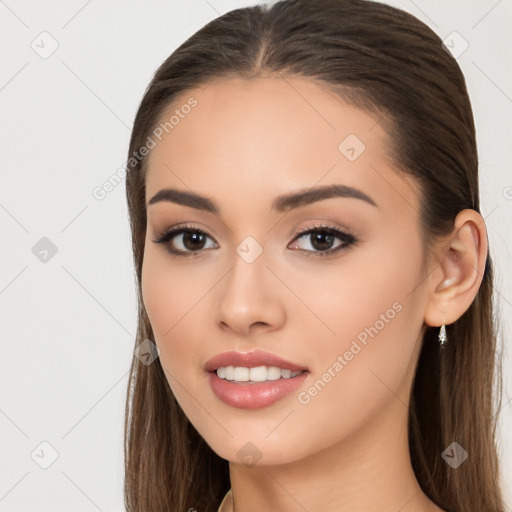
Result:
[[241, 374], [256, 374], [286, 374]]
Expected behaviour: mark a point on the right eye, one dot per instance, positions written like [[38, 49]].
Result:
[[191, 239]]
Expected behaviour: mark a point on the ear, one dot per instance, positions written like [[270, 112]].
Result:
[[460, 263]]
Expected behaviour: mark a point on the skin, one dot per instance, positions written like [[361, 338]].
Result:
[[246, 142]]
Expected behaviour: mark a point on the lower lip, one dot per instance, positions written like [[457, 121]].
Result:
[[254, 395]]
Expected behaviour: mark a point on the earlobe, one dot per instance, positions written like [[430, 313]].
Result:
[[460, 265]]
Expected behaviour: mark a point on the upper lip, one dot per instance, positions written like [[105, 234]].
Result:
[[250, 360]]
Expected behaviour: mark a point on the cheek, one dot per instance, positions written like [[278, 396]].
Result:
[[364, 295], [159, 294], [171, 290], [165, 308], [175, 302], [375, 305]]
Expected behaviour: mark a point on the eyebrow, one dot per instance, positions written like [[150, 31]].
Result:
[[280, 204]]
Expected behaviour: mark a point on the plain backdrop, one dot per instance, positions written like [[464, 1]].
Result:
[[71, 77]]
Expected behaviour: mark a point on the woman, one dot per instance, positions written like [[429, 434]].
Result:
[[313, 269]]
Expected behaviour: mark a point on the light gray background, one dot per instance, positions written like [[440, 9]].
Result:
[[68, 324]]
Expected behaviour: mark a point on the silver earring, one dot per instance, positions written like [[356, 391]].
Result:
[[442, 336]]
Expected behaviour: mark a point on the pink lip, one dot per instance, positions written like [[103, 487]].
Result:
[[250, 360], [254, 395]]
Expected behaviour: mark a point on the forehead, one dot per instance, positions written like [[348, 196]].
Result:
[[268, 135]]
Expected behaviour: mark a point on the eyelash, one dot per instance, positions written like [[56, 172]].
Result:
[[345, 237]]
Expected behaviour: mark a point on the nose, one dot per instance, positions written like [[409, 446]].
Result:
[[250, 298]]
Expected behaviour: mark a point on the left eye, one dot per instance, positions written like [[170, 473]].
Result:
[[321, 239]]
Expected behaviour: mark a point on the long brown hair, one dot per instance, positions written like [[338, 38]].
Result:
[[385, 61]]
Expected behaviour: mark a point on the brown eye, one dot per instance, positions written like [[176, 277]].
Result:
[[181, 241], [193, 240], [322, 238]]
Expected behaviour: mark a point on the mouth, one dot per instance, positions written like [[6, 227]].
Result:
[[255, 387], [255, 366]]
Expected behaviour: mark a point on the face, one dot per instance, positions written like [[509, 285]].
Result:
[[332, 284]]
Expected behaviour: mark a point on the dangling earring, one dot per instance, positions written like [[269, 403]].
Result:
[[442, 336]]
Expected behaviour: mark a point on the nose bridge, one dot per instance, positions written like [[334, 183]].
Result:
[[247, 296], [249, 250], [246, 282]]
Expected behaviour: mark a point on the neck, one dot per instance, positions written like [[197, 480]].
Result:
[[369, 471]]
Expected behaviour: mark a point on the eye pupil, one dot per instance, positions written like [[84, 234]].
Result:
[[324, 238], [196, 239]]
